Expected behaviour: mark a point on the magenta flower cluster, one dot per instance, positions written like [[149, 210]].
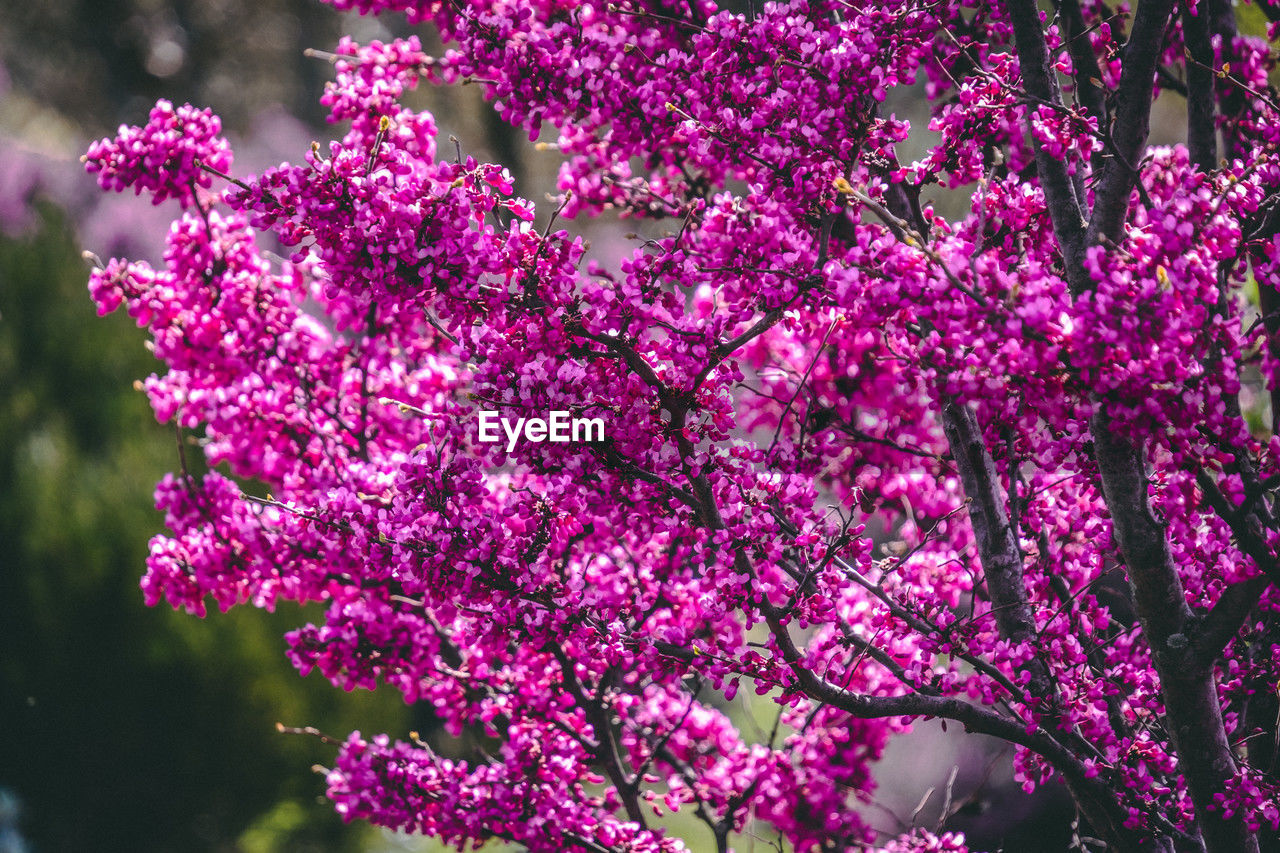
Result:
[[865, 463], [164, 158]]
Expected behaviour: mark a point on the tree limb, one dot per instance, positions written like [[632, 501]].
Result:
[[1202, 134], [1247, 538], [1223, 622], [1193, 714], [1065, 208], [1132, 122], [1099, 805], [998, 548], [1001, 556], [1088, 76]]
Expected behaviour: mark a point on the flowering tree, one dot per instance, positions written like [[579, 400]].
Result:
[[873, 463]]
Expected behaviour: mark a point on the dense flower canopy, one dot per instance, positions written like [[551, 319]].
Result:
[[868, 461]]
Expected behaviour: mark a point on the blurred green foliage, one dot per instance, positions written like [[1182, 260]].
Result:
[[128, 728]]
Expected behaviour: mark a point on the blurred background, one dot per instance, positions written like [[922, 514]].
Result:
[[128, 728]]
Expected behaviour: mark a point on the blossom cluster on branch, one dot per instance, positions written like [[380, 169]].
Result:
[[870, 462]]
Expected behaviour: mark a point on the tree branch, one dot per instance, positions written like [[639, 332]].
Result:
[[1247, 538], [607, 751], [1202, 135], [1223, 622], [1098, 804], [1193, 714], [1129, 130], [1066, 210], [998, 548], [1232, 103], [1001, 557], [1088, 76]]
